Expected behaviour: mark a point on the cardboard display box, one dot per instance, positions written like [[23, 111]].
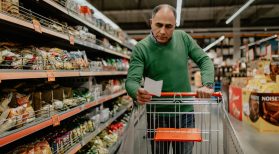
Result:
[[235, 96], [235, 102], [261, 110]]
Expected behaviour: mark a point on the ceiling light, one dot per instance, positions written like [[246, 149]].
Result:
[[239, 11], [178, 11], [214, 43], [259, 42]]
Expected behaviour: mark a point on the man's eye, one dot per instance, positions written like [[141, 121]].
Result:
[[159, 25], [168, 26]]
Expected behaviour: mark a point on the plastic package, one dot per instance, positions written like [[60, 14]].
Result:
[[104, 115]]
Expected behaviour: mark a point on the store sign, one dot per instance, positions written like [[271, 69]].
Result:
[[37, 26], [235, 102]]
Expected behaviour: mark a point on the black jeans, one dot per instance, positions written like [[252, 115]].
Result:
[[179, 121]]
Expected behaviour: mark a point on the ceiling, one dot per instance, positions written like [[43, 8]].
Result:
[[197, 17]]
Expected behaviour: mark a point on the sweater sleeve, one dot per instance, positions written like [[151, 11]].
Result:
[[205, 64], [135, 72]]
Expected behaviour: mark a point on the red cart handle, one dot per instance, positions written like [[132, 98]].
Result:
[[215, 94]]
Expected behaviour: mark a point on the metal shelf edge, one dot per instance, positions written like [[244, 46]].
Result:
[[29, 25], [25, 132], [10, 75], [48, 122]]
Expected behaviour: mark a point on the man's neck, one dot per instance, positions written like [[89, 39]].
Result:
[[155, 40]]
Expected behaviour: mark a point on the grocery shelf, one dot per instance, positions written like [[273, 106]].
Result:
[[31, 74], [100, 48], [24, 131], [27, 24], [14, 135], [84, 21], [88, 137], [103, 73], [116, 145], [113, 149]]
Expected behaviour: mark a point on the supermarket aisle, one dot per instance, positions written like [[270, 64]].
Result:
[[141, 145]]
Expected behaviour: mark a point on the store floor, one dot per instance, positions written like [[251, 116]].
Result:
[[142, 146]]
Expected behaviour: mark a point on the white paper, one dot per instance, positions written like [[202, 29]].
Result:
[[153, 87]]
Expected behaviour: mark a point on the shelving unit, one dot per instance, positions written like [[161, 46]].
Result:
[[64, 36], [82, 20], [88, 137], [17, 134], [22, 28], [22, 74]]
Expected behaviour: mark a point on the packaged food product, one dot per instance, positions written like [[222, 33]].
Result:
[[255, 104], [104, 115]]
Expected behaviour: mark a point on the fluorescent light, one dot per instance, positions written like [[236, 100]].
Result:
[[266, 39], [239, 11], [259, 42], [214, 43], [178, 11]]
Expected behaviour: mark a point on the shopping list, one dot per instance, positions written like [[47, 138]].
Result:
[[153, 87]]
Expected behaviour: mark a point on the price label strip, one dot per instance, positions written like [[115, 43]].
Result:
[[37, 26], [55, 120], [50, 76]]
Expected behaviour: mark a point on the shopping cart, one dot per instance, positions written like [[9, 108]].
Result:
[[179, 123]]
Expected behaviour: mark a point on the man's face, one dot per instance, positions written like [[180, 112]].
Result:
[[163, 25]]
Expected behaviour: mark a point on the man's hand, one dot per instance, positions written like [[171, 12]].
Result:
[[143, 96], [204, 92]]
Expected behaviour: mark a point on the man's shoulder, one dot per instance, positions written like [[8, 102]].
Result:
[[180, 32], [143, 43]]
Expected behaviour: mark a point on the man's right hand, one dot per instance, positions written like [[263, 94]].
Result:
[[143, 96]]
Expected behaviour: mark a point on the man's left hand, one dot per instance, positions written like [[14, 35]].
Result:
[[204, 92]]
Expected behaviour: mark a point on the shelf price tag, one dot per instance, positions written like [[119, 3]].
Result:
[[50, 76], [55, 120], [72, 39], [37, 26]]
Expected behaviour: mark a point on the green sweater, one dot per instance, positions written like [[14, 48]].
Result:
[[168, 62]]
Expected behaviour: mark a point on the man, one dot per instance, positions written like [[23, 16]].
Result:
[[163, 55]]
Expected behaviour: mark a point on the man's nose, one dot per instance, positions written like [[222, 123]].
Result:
[[163, 30]]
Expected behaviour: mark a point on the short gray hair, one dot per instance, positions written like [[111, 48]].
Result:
[[159, 7]]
